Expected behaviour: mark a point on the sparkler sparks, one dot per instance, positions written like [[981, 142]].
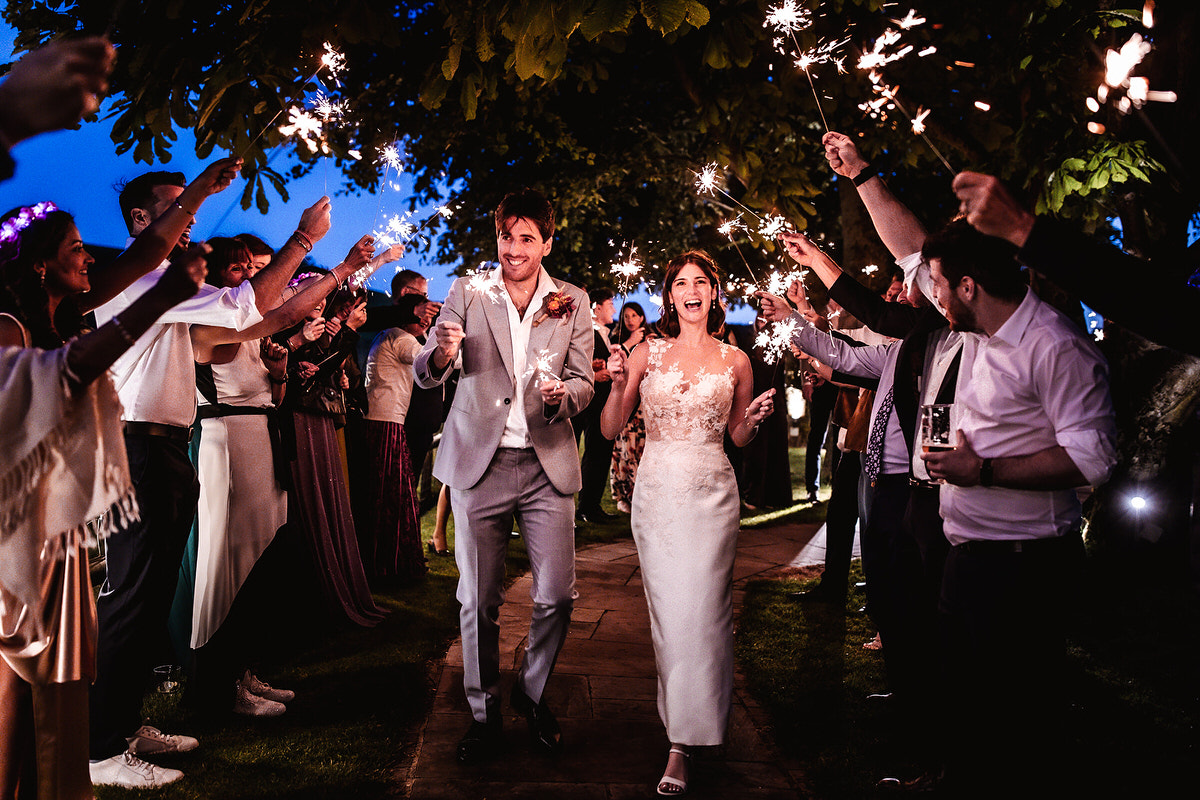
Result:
[[328, 109], [788, 17], [706, 179], [775, 341], [627, 270], [333, 61], [707, 183], [773, 225], [1118, 75], [390, 158], [483, 283], [307, 128], [918, 122]]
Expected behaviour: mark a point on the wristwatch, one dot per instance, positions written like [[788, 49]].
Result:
[[985, 472]]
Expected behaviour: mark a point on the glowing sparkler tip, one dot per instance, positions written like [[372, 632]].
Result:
[[706, 178], [332, 60], [788, 17], [389, 157], [911, 21], [918, 123]]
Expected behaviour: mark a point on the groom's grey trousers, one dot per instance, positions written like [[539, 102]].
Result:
[[513, 486]]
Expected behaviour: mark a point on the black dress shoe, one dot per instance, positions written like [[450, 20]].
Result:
[[594, 516], [482, 741], [543, 727]]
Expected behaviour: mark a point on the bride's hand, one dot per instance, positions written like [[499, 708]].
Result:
[[616, 367], [760, 408]]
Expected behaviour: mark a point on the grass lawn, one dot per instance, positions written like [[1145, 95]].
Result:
[[362, 695], [1133, 705]]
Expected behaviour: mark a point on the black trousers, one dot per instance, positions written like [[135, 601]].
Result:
[[823, 399], [135, 598], [1002, 616], [841, 518], [597, 457]]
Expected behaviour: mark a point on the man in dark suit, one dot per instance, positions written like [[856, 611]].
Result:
[[597, 450]]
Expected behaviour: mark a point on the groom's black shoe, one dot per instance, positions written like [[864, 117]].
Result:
[[482, 741], [543, 727]]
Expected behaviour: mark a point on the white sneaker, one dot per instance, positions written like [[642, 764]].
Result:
[[150, 741], [251, 705], [130, 771], [264, 689]]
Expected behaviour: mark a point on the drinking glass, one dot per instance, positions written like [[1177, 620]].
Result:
[[935, 429]]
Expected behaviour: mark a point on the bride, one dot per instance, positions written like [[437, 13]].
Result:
[[685, 502]]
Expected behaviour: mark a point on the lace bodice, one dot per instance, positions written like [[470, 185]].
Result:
[[685, 409]]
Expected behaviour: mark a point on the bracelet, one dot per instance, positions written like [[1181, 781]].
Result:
[[303, 240], [864, 176], [124, 334], [179, 205]]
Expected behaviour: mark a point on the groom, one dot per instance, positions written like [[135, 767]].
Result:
[[508, 451]]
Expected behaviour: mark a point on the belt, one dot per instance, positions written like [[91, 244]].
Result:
[[994, 546], [175, 433], [921, 484]]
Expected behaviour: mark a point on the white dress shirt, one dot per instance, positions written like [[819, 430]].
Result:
[[1036, 383], [389, 375], [516, 428], [156, 377]]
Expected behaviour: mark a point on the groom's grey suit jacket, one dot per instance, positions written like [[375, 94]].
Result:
[[486, 384]]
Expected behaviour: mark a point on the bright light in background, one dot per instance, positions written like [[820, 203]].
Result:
[[1137, 502]]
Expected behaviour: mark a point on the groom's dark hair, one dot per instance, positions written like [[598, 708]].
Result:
[[529, 204]]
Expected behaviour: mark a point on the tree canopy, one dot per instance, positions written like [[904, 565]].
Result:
[[609, 106]]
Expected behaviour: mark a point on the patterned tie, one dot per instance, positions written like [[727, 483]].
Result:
[[873, 456]]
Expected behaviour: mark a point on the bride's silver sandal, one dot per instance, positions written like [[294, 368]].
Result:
[[673, 787]]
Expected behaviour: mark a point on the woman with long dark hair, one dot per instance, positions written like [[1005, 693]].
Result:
[[692, 388], [629, 332], [62, 464]]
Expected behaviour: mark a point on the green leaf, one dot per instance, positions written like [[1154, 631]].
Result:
[[450, 65], [607, 16], [664, 16]]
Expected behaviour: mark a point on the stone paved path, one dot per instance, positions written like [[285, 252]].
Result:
[[603, 692]]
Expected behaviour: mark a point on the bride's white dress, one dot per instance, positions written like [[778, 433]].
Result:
[[685, 524]]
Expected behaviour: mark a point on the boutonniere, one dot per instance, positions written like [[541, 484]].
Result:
[[558, 305]]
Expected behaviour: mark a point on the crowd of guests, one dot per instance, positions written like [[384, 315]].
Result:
[[206, 403], [197, 405]]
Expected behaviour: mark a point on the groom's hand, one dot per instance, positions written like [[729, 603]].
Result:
[[552, 392], [449, 338]]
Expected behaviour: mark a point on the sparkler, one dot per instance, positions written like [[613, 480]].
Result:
[[398, 230], [729, 229], [789, 17], [880, 55], [333, 61]]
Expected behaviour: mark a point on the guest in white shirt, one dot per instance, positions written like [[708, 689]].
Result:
[[155, 380], [1034, 422]]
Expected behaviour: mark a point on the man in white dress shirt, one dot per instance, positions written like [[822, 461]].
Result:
[[1034, 422], [156, 382]]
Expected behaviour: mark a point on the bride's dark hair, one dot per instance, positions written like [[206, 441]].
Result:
[[668, 324]]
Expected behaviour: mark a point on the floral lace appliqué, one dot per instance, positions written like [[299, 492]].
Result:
[[680, 409]]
